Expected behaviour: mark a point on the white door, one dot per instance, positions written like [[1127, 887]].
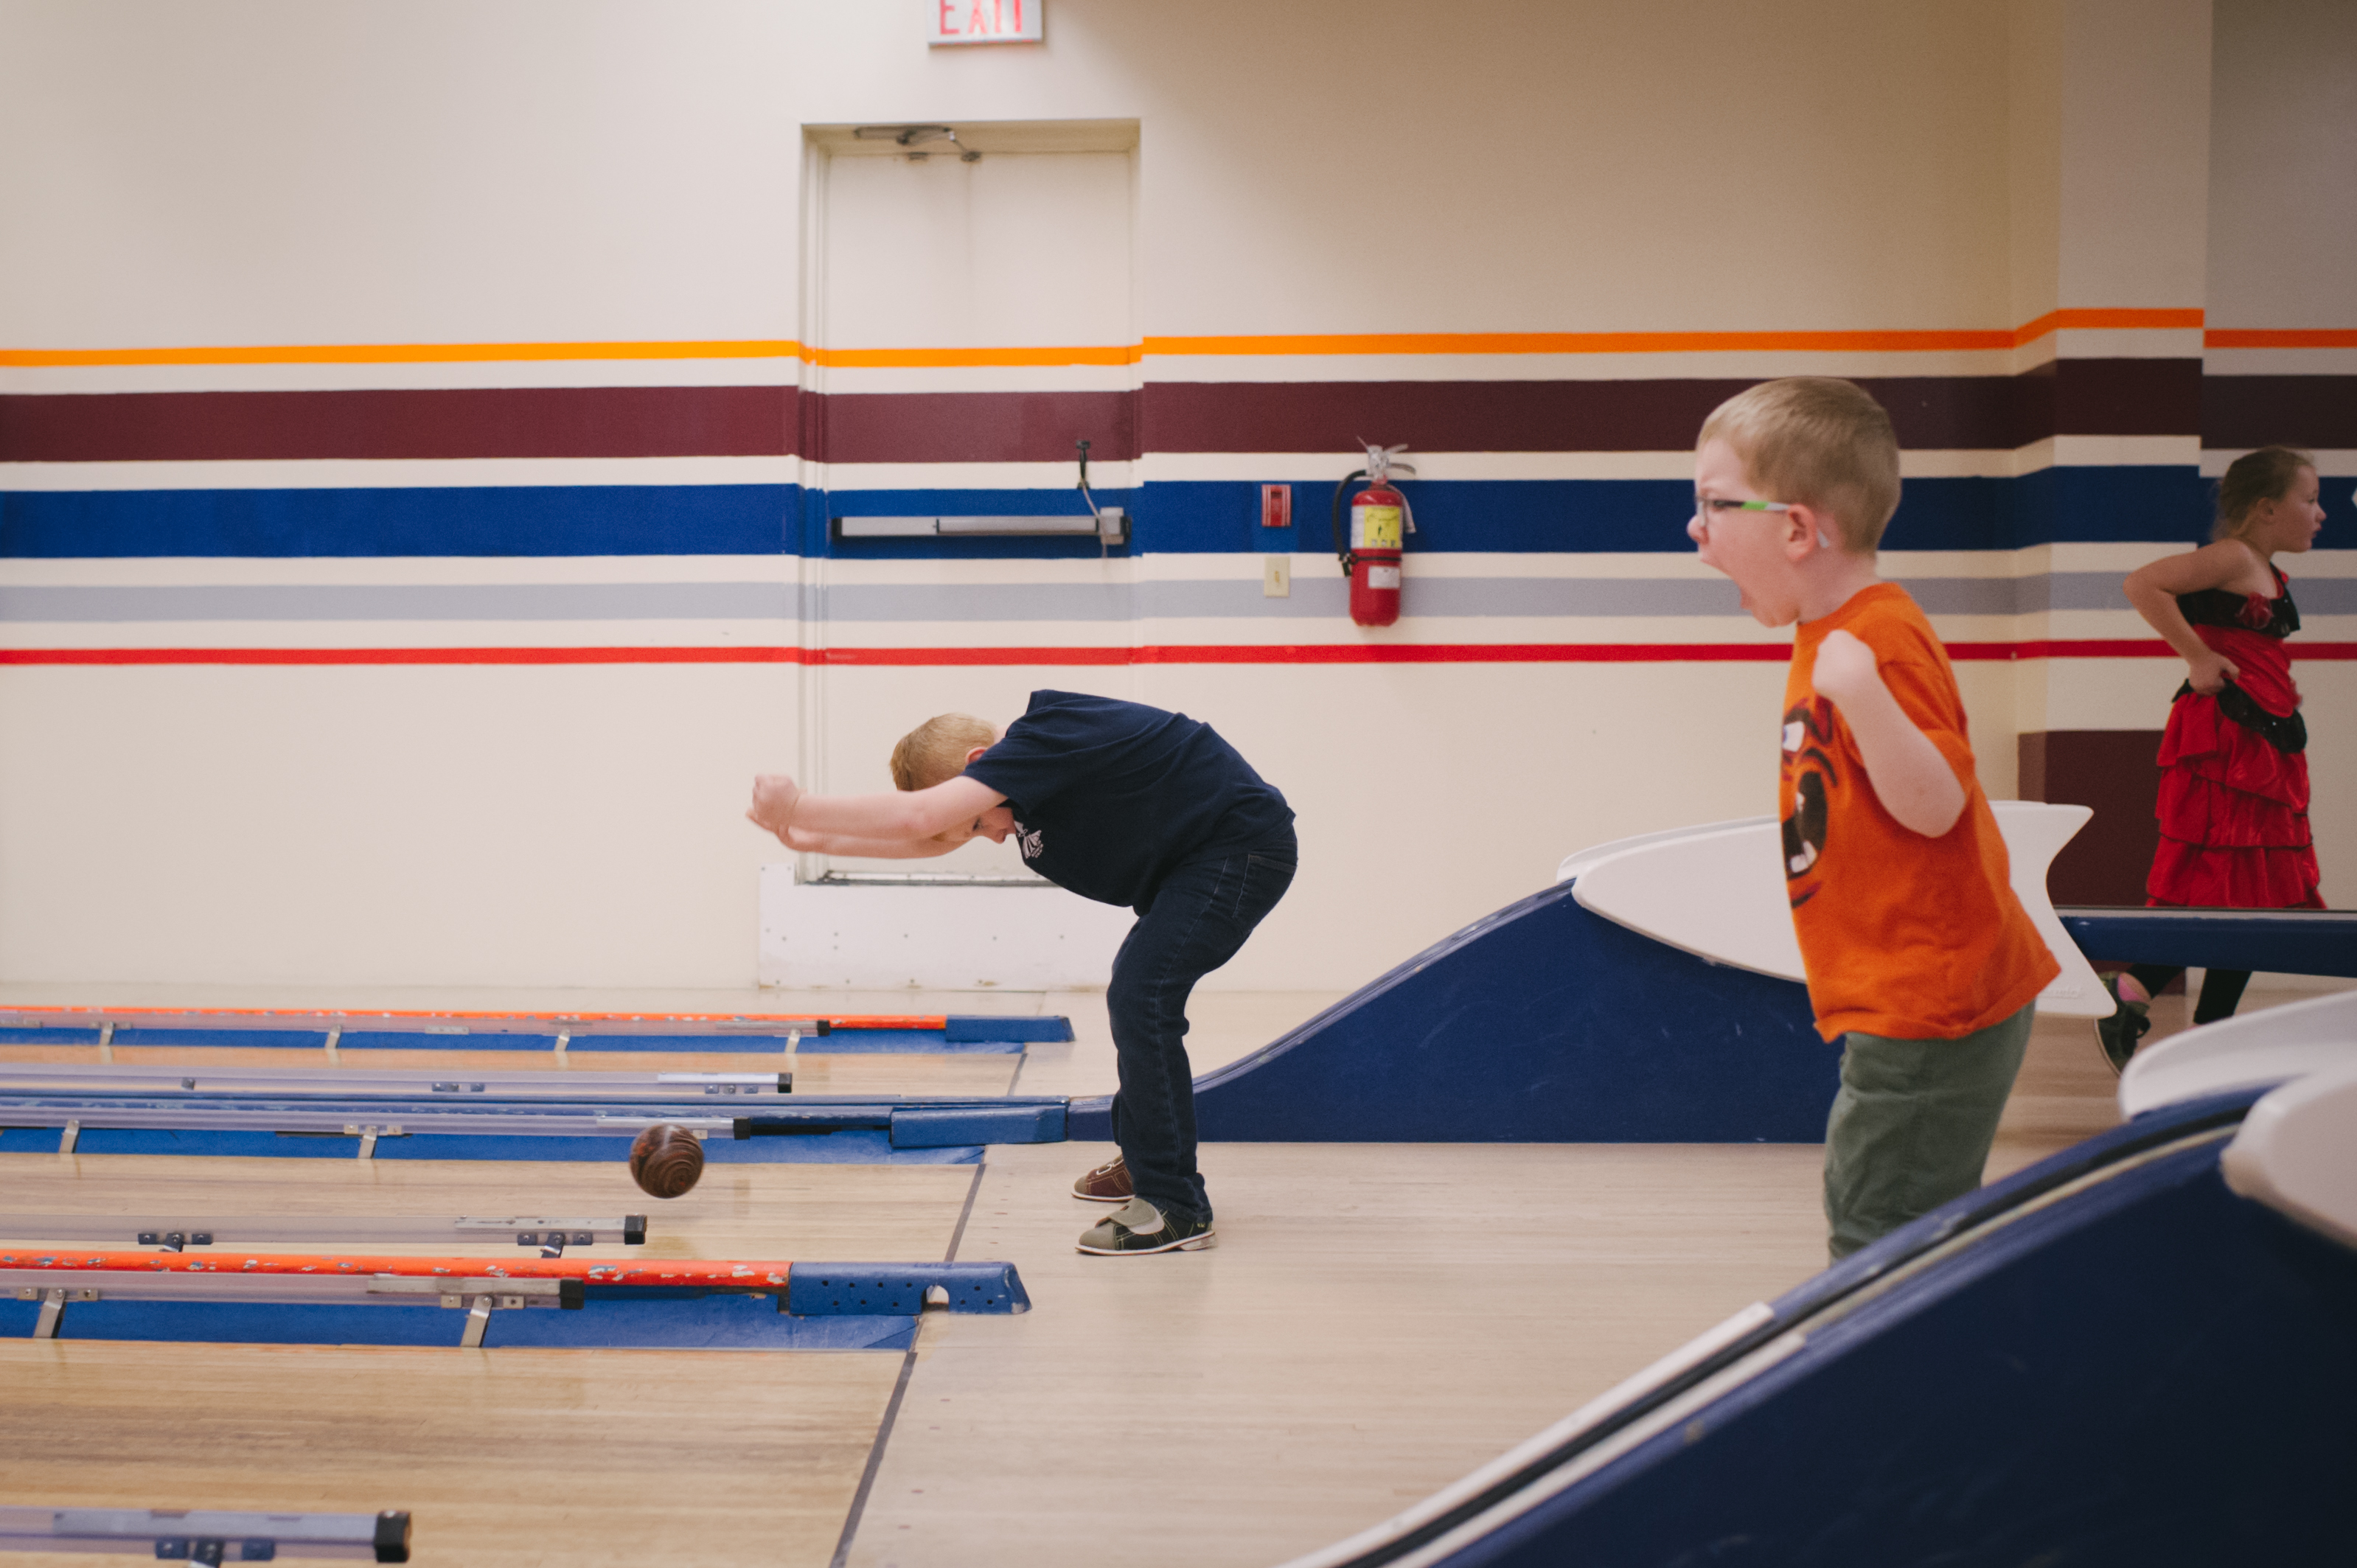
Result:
[[961, 265]]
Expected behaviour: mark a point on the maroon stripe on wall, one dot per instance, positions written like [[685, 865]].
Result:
[[2095, 397], [485, 422], [974, 427], [2109, 397], [2287, 411]]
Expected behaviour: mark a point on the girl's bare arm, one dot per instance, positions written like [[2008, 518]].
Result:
[[2153, 590]]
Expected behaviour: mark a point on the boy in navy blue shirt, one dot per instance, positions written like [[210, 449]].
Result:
[[1125, 804]]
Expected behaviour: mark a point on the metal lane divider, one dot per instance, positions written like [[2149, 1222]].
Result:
[[912, 1121], [408, 1083], [208, 1535], [175, 1233], [364, 1121], [451, 1022]]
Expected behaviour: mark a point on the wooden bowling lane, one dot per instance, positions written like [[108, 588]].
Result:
[[507, 1458], [815, 1072], [812, 1212], [1377, 1320]]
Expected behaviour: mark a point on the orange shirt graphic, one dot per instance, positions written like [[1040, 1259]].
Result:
[[1902, 936]]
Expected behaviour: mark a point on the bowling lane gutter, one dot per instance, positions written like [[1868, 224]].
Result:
[[859, 1509]]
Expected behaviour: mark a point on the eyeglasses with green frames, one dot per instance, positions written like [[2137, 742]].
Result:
[[1706, 506]]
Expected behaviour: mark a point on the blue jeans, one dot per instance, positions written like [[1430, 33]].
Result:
[[1198, 919]]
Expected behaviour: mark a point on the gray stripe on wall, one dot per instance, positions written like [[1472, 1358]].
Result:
[[2327, 596], [2086, 591], [986, 601], [1079, 603], [1196, 598], [459, 601]]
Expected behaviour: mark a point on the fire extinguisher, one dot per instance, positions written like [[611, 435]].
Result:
[[1371, 557]]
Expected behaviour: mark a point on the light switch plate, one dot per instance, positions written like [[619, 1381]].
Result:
[[1277, 577]]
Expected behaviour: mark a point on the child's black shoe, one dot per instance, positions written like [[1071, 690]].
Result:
[[2119, 1033], [1138, 1227]]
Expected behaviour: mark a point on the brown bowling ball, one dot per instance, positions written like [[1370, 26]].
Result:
[[666, 1161]]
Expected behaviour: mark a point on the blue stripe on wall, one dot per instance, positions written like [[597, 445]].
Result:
[[554, 520], [1520, 515], [2169, 504], [2121, 505]]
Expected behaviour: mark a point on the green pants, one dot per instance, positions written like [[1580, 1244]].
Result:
[[1911, 1126]]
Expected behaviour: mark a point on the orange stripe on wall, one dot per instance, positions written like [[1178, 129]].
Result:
[[1237, 653], [1584, 343], [1405, 343], [404, 353], [935, 358], [2107, 321]]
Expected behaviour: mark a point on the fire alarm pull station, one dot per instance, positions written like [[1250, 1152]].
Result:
[[1276, 505]]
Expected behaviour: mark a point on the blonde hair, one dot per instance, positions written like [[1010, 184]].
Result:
[[934, 752], [1818, 441], [2266, 475]]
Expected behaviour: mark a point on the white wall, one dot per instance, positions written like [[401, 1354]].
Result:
[[453, 826], [260, 172], [2283, 198], [223, 173]]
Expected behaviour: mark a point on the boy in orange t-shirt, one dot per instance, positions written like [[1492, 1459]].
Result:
[[1919, 956]]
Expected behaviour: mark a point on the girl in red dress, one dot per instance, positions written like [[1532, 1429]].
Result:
[[2234, 786]]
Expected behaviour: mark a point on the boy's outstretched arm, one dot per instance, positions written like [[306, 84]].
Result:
[[896, 825], [808, 842], [1910, 775]]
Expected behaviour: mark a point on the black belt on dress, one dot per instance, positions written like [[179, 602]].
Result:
[[2288, 733]]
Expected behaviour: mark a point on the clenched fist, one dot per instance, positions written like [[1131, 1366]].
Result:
[[774, 798], [1844, 669]]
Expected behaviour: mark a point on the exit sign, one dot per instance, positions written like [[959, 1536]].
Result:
[[983, 21]]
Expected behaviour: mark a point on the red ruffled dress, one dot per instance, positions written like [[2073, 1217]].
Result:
[[2234, 786]]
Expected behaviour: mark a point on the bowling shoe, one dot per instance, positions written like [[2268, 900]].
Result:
[[1109, 1182], [2119, 1033], [1138, 1227]]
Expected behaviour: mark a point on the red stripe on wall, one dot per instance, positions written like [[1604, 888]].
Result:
[[1326, 654], [1242, 653], [402, 656], [2123, 648]]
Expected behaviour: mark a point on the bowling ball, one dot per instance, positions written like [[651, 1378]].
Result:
[[666, 1161]]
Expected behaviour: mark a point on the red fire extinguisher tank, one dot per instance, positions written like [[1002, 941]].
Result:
[[1378, 514], [1380, 520]]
